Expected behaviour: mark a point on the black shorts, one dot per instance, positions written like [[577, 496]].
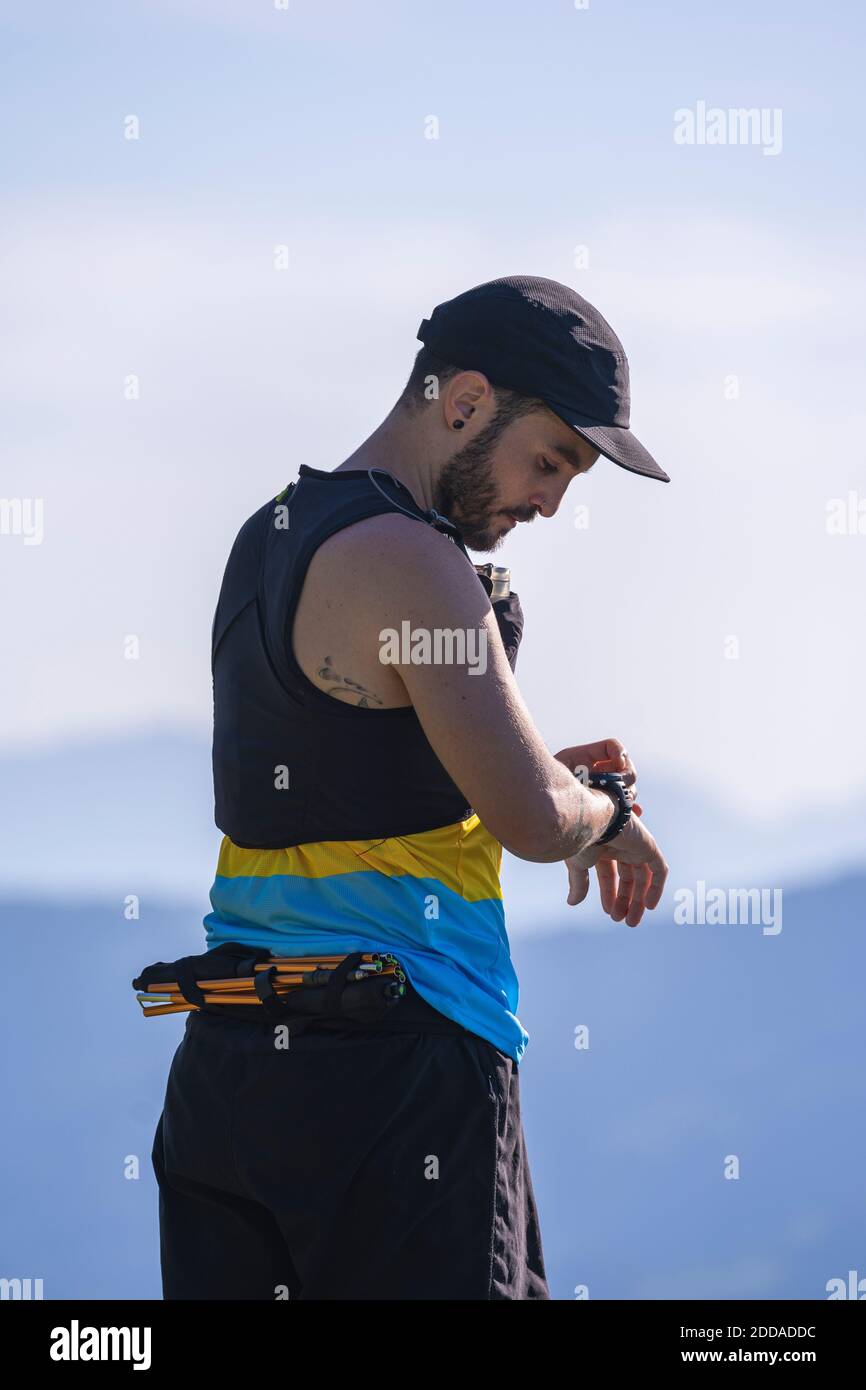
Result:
[[359, 1162]]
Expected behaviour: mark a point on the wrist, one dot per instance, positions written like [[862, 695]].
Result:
[[609, 804], [612, 785]]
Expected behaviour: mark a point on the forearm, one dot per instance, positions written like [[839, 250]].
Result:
[[579, 816]]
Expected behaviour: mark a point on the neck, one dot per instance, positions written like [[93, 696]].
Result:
[[397, 446]]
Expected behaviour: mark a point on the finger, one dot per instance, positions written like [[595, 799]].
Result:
[[616, 758], [608, 883], [583, 755], [605, 751], [637, 906], [659, 878], [628, 769], [621, 761], [578, 883], [623, 898]]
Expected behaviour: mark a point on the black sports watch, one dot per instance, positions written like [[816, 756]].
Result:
[[614, 782]]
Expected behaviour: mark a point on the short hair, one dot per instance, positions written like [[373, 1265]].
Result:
[[510, 405]]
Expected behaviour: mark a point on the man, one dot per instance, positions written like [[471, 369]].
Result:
[[366, 780]]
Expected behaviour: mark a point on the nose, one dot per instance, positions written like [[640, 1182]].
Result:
[[546, 500]]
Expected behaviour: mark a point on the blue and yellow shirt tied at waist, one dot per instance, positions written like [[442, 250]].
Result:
[[433, 898]]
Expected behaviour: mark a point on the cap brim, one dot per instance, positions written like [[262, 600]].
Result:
[[618, 445]]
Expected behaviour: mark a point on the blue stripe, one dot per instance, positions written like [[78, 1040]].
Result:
[[460, 961]]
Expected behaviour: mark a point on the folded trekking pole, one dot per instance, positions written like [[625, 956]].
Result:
[[359, 983]]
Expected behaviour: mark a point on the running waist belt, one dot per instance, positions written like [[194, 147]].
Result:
[[361, 988]]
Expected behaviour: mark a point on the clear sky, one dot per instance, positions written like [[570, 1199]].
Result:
[[733, 277]]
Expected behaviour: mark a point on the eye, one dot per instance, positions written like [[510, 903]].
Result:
[[547, 466]]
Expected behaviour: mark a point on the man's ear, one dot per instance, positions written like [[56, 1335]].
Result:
[[465, 394]]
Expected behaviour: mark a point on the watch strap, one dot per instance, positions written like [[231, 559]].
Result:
[[613, 782]]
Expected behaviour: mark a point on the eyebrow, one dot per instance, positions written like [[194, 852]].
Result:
[[571, 456]]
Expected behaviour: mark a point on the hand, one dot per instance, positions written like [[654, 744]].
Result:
[[605, 755], [631, 873]]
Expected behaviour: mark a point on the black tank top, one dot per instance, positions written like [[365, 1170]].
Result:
[[292, 764]]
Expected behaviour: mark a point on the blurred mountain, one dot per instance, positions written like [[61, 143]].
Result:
[[704, 1042], [110, 816], [107, 817]]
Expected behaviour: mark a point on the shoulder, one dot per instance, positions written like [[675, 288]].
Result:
[[391, 533], [392, 554]]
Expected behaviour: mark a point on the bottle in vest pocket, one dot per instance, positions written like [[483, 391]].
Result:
[[500, 580]]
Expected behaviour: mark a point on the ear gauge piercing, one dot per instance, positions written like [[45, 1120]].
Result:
[[458, 424]]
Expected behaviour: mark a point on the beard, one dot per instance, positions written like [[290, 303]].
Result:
[[466, 493]]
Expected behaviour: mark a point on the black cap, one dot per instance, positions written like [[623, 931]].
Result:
[[539, 337]]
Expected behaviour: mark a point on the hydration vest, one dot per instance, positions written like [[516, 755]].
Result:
[[292, 764]]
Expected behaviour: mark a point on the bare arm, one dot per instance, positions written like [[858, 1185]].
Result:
[[472, 712]]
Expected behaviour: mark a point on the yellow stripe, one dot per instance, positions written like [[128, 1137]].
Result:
[[463, 857]]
